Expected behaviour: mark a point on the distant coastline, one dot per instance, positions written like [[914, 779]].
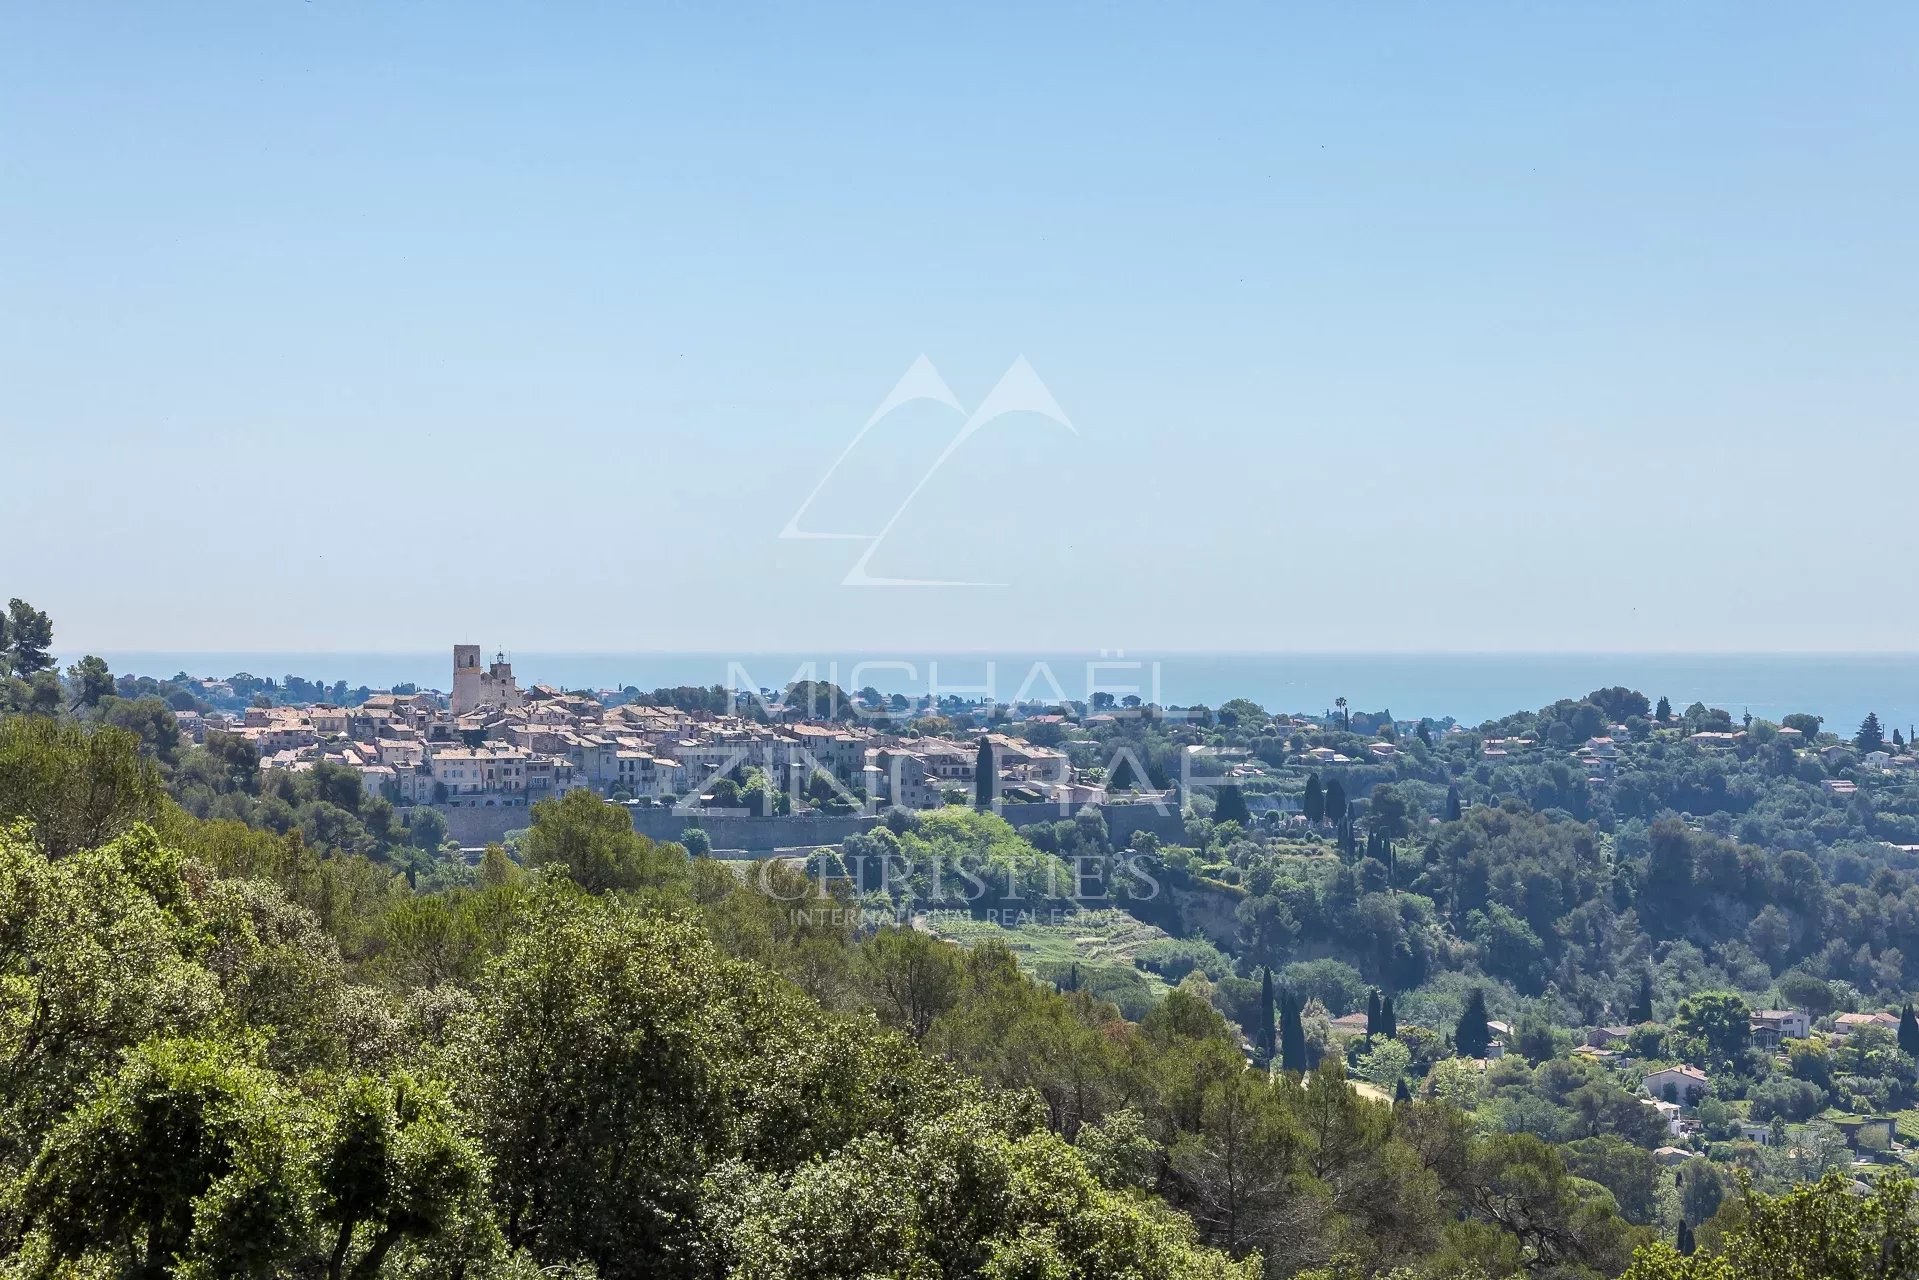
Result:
[[1472, 688]]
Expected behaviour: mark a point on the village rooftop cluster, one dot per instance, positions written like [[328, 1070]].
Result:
[[492, 744]]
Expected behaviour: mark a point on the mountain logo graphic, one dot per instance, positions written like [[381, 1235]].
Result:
[[1019, 390]]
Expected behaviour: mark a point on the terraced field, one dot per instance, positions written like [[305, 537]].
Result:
[[1099, 942]]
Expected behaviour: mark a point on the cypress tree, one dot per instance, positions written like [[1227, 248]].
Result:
[[1452, 803], [1909, 1031], [1336, 805], [1314, 801], [1686, 1243], [1292, 1035], [1230, 806], [1121, 778], [985, 775], [1642, 1005], [1373, 1024], [1267, 1035], [1664, 712], [1400, 1092], [1388, 1019], [1472, 1038]]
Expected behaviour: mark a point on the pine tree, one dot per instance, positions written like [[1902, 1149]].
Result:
[[985, 775], [1266, 1033], [1870, 737], [1664, 711], [1909, 1031], [1314, 801], [1373, 1026], [1472, 1037], [1642, 1004], [1388, 1019], [1452, 803], [1686, 1243], [1292, 1035]]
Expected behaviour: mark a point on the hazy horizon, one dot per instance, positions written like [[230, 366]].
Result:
[[1470, 687]]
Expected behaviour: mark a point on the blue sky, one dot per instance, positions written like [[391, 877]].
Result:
[[355, 326]]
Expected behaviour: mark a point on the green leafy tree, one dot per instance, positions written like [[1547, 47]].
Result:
[[616, 1058], [817, 700], [1719, 1023], [76, 788], [1389, 813], [1537, 1040], [94, 958], [912, 976], [1817, 1230], [186, 1160], [1239, 1167], [392, 1167], [426, 829], [1385, 1064], [496, 868], [1560, 1223], [1808, 725], [594, 842], [1028, 1205], [1801, 990]]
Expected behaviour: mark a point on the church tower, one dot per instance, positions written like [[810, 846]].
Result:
[[466, 678]]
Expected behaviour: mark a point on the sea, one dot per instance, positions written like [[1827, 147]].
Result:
[[1471, 688]]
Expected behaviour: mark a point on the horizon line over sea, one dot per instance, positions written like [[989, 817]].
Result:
[[1470, 687]]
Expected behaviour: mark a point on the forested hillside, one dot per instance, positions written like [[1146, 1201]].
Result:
[[266, 1028]]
